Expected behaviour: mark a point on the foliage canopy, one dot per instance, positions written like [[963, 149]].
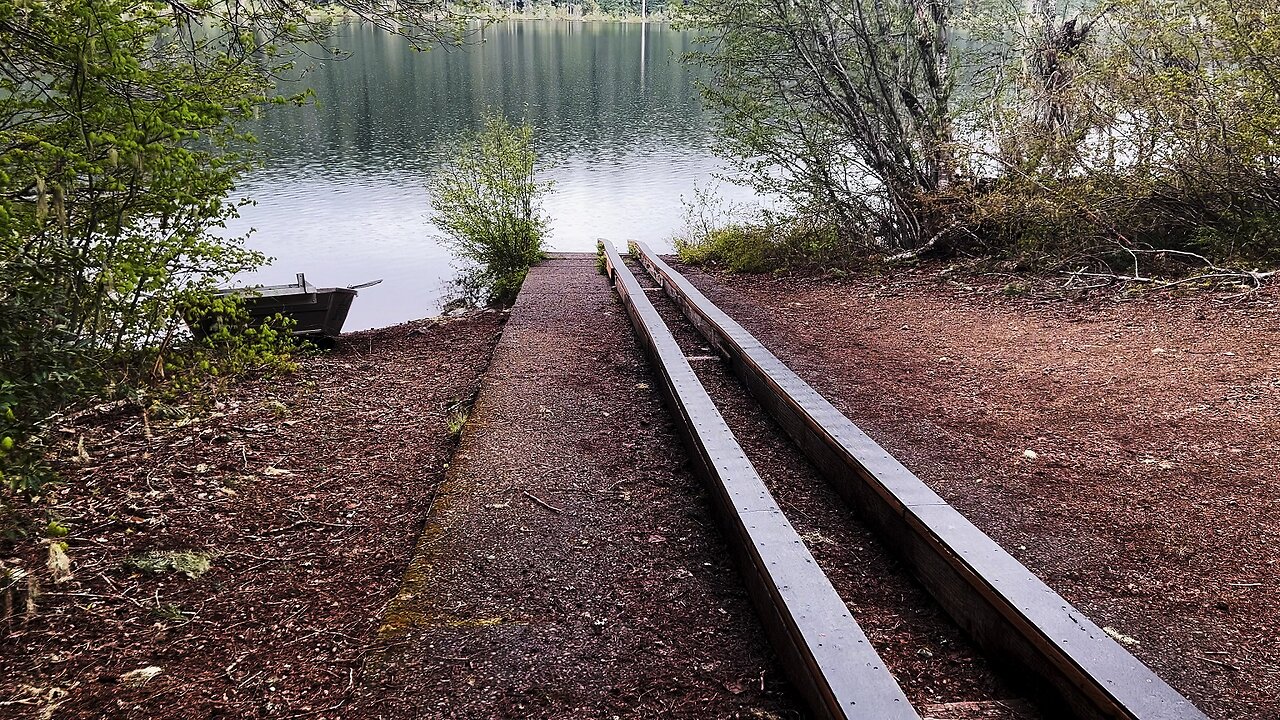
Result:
[[1050, 128]]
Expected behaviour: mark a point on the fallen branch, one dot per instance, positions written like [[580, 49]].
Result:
[[542, 502], [302, 523], [1255, 277], [1219, 663], [1240, 276], [930, 244]]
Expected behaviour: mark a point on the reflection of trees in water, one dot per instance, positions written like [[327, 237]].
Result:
[[611, 86]]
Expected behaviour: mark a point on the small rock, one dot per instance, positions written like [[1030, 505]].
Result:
[[1119, 636], [925, 653], [59, 563], [139, 677], [1030, 454]]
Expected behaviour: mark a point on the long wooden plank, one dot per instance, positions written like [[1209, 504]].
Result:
[[824, 651], [1009, 611]]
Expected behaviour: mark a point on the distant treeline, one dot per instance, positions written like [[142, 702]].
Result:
[[585, 9]]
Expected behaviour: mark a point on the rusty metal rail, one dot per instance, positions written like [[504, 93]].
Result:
[[1012, 615], [826, 654]]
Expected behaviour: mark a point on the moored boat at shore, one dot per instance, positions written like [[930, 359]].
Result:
[[318, 313]]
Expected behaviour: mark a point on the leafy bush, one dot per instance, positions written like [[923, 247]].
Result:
[[230, 344], [737, 248], [109, 182], [1138, 126], [115, 167], [724, 235], [1053, 130], [767, 247], [486, 201]]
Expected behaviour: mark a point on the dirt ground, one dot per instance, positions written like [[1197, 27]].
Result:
[[304, 495], [1123, 448]]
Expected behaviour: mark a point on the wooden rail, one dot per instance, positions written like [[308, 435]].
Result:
[[824, 651], [1010, 613]]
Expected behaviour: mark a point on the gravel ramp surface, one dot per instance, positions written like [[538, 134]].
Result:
[[571, 566]]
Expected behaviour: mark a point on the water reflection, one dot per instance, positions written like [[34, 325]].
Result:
[[341, 196]]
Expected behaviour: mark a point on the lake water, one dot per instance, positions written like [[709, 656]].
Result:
[[618, 121]]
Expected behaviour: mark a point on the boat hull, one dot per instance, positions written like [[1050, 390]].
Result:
[[319, 314]]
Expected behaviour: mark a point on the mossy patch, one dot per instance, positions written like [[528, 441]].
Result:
[[192, 563]]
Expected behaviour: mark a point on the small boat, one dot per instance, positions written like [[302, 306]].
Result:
[[319, 313]]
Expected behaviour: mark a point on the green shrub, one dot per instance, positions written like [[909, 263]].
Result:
[[1103, 219], [767, 247], [115, 167], [736, 238], [737, 248], [486, 200], [233, 345]]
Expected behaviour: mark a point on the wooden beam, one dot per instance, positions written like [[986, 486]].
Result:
[[1008, 611], [823, 650]]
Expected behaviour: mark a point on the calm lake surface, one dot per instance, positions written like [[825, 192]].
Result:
[[618, 121]]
